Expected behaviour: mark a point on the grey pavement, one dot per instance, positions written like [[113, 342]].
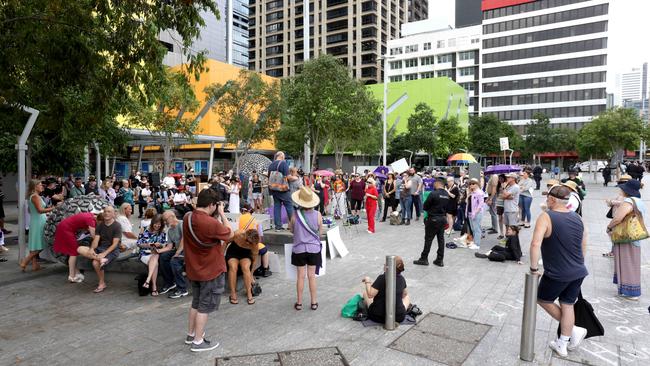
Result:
[[47, 320]]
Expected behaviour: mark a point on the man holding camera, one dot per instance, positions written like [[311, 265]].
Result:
[[204, 238]]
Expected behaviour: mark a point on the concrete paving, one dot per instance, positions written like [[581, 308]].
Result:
[[45, 320]]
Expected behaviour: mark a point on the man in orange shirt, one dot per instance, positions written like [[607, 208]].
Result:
[[205, 264]]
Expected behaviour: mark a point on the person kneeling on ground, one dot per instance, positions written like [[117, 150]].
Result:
[[374, 295], [241, 253], [511, 252]]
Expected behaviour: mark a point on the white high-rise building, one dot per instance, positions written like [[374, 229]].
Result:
[[547, 56], [630, 84]]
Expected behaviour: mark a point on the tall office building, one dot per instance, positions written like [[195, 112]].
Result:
[[214, 37], [547, 56], [354, 31], [418, 10], [424, 53], [633, 84]]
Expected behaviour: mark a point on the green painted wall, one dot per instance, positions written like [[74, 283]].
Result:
[[441, 94]]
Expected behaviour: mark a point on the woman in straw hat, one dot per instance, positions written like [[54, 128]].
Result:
[[306, 225]]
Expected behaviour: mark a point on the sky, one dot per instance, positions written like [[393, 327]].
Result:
[[629, 33]]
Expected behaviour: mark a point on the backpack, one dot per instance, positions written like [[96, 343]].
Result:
[[277, 180], [395, 218]]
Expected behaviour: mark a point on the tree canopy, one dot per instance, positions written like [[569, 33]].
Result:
[[612, 130], [485, 131], [542, 137]]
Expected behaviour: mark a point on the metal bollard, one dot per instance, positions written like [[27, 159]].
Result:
[[389, 323], [529, 318]]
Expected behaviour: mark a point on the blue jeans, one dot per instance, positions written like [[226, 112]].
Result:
[[279, 199], [416, 201], [475, 224], [524, 203], [172, 270], [405, 204]]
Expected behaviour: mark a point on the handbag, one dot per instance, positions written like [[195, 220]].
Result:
[[631, 229], [349, 310], [277, 180], [586, 318]]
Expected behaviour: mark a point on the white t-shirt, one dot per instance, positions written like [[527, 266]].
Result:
[[146, 192], [180, 198], [169, 182], [127, 227], [144, 223]]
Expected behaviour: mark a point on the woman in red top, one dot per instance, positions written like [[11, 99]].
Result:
[[371, 204], [65, 241]]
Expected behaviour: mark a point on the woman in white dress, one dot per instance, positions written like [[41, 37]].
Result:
[[233, 204]]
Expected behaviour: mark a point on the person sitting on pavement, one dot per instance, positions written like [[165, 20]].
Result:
[[171, 262], [129, 237], [152, 243], [65, 240], [106, 244], [241, 253], [511, 252], [246, 221], [374, 295]]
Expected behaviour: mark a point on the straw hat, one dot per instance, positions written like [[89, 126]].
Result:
[[305, 197], [552, 182], [624, 178], [572, 185]]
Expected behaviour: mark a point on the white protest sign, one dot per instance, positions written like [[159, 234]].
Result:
[[400, 166], [335, 243], [291, 270], [505, 144]]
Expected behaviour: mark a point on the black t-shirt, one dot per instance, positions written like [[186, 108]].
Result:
[[257, 186], [437, 202], [48, 193], [453, 202], [377, 310], [191, 180]]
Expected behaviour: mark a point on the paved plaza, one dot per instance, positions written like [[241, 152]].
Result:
[[45, 320]]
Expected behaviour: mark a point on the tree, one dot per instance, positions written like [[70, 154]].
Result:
[[485, 131], [422, 128], [450, 137], [82, 64], [249, 110], [542, 137], [612, 130], [398, 146]]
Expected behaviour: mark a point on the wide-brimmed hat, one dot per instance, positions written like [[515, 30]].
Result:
[[552, 182], [571, 185], [305, 197], [512, 175], [631, 188], [624, 178]]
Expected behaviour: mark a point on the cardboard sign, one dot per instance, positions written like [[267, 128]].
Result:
[[504, 143], [335, 243], [400, 166], [292, 271]]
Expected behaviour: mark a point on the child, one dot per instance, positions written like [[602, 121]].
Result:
[[148, 215], [512, 250]]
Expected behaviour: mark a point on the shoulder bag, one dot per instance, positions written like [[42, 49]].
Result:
[[631, 229], [277, 180]]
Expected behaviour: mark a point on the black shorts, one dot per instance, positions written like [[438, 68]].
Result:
[[237, 252], [499, 210], [452, 210], [206, 295], [306, 259], [550, 289], [355, 204]]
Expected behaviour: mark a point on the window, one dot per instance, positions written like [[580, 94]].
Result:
[[544, 35], [411, 77], [274, 16], [440, 44], [411, 62], [395, 78], [466, 71], [394, 65], [555, 49], [427, 75], [274, 27], [467, 86], [476, 40], [452, 42], [427, 46], [426, 60], [467, 55], [589, 61], [396, 51], [444, 58], [335, 38], [446, 73], [411, 48]]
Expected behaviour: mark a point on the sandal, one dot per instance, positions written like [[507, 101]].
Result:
[[233, 301], [297, 306], [22, 265], [154, 293], [146, 284], [250, 301], [99, 289], [314, 306]]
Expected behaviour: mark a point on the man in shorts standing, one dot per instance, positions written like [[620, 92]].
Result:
[[203, 239], [511, 200], [560, 235]]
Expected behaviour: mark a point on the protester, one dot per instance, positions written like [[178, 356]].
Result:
[[573, 177], [452, 206], [279, 187], [107, 192], [105, 243], [405, 199], [613, 204], [357, 189], [537, 176], [627, 256], [436, 207], [256, 190], [171, 262], [65, 240], [510, 197], [388, 190], [562, 238], [374, 295], [575, 202], [492, 189], [607, 175], [500, 202], [205, 264], [242, 253], [37, 211], [306, 225], [152, 243], [525, 197], [320, 188], [511, 251], [474, 211], [371, 196], [234, 189], [416, 190]]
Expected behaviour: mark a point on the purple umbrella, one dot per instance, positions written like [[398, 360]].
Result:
[[502, 169]]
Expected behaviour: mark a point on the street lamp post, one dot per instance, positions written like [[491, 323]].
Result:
[[385, 58]]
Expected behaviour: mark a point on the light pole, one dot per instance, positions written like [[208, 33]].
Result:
[[385, 58]]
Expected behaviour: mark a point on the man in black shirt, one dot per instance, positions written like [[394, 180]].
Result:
[[434, 225]]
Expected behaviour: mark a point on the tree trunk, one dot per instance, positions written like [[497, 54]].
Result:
[[167, 153]]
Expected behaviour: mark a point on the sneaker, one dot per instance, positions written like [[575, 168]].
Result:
[[492, 231], [178, 294], [166, 289], [421, 262], [3, 248], [204, 346], [480, 255], [438, 263], [189, 339], [267, 273], [259, 272], [578, 334], [408, 222], [473, 246], [559, 348]]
